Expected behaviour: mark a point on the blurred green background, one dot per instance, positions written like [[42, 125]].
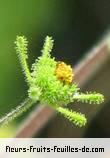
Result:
[[73, 24]]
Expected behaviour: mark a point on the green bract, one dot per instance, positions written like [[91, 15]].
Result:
[[44, 86]]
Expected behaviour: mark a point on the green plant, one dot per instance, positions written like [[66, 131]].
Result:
[[51, 83]]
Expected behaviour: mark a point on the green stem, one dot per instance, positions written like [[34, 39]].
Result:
[[92, 98], [21, 49], [48, 45], [25, 105], [73, 116], [25, 68]]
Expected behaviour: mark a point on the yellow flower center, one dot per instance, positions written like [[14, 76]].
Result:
[[64, 72]]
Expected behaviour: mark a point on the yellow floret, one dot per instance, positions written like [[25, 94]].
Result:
[[64, 72]]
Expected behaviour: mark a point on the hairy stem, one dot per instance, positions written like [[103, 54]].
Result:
[[21, 49], [48, 45], [73, 116], [94, 98], [25, 105]]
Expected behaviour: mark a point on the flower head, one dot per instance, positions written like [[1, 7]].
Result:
[[50, 82], [64, 72]]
